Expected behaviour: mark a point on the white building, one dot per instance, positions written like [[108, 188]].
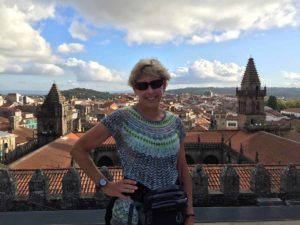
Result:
[[2, 101], [15, 97], [292, 112]]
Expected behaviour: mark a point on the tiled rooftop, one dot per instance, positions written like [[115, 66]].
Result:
[[23, 134], [4, 123], [53, 155], [293, 135], [270, 148], [294, 110], [209, 136]]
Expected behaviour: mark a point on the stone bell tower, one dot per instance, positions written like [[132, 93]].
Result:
[[54, 117], [250, 97]]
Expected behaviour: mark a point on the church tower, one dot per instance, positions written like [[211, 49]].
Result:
[[54, 117], [250, 97]]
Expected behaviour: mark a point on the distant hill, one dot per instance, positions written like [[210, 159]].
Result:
[[290, 93], [85, 93]]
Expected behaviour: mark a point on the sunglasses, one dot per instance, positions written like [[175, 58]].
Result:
[[142, 86]]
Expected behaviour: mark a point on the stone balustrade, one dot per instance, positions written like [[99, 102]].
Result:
[[229, 194]]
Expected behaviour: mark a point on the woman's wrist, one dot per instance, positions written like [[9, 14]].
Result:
[[190, 215]]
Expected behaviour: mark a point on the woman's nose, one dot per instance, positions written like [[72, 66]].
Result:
[[149, 89]]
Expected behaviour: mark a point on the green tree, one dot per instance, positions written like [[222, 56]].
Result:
[[272, 102]]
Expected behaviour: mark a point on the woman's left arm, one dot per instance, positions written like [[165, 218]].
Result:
[[186, 181]]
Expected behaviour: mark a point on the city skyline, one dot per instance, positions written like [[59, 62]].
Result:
[[95, 44]]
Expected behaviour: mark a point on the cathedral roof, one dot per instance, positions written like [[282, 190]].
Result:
[[272, 149], [54, 96], [251, 77]]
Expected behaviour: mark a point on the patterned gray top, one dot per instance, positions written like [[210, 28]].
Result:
[[148, 149]]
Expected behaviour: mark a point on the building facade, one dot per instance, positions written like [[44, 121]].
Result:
[[7, 143]]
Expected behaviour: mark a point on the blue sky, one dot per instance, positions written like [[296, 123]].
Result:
[[95, 43]]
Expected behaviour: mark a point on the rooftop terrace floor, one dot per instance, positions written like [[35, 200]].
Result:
[[255, 215]]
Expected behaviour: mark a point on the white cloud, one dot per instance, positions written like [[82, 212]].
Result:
[[204, 72], [22, 49], [210, 37], [33, 10], [194, 22], [70, 48], [291, 75], [80, 31], [33, 69], [91, 71], [291, 79], [18, 38]]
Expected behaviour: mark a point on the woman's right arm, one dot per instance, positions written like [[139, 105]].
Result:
[[81, 150], [81, 154]]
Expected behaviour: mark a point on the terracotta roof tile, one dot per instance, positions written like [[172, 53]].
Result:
[[293, 135], [4, 124], [53, 155], [294, 110], [271, 148], [73, 136], [209, 136], [78, 134], [109, 141], [23, 134]]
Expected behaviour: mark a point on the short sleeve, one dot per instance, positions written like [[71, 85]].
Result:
[[181, 130], [112, 122]]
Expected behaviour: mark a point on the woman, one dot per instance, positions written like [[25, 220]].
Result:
[[149, 141]]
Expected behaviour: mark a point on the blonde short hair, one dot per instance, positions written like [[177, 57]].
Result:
[[151, 67]]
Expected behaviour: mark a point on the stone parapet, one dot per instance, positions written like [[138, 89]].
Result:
[[229, 192]]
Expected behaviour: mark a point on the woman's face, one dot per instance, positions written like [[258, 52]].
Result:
[[154, 89]]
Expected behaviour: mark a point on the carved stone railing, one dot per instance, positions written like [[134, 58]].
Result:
[[260, 181], [230, 182], [38, 197], [290, 182], [7, 190]]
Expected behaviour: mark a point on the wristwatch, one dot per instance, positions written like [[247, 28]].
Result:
[[103, 182]]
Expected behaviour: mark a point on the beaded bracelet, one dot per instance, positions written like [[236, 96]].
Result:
[[188, 215]]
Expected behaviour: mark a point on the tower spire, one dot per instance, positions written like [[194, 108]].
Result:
[[54, 95], [250, 78]]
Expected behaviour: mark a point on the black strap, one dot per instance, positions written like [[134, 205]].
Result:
[[130, 214], [108, 213]]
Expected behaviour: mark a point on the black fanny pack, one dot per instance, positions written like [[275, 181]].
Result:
[[164, 206]]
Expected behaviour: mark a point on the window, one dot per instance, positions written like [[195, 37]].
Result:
[[231, 124]]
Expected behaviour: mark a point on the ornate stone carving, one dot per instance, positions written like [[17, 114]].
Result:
[[71, 189], [200, 184], [290, 181], [230, 182], [260, 181], [7, 190], [38, 190]]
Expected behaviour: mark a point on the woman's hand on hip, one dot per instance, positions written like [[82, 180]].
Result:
[[120, 188]]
